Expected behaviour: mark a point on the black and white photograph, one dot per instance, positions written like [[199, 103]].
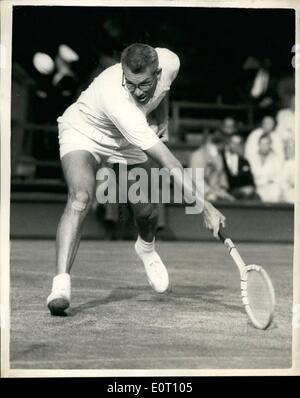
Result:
[[149, 188]]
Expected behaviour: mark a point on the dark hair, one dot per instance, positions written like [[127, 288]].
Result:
[[218, 138], [138, 56]]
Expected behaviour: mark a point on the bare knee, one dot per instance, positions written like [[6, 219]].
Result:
[[80, 200]]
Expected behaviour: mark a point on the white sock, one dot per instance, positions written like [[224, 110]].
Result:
[[61, 281], [143, 248]]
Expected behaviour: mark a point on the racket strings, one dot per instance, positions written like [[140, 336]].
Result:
[[259, 297]]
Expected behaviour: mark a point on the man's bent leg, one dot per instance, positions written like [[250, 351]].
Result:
[[146, 216], [79, 169]]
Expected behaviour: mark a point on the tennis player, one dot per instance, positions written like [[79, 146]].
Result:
[[108, 124]]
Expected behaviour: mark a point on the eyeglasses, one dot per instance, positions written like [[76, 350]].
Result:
[[144, 86]]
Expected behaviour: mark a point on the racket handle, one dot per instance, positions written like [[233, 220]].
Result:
[[221, 236]]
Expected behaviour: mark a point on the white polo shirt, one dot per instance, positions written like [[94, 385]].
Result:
[[107, 112]]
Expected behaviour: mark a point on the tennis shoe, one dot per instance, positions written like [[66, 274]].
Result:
[[60, 297], [156, 271]]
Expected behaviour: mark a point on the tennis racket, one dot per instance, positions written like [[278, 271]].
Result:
[[257, 290]]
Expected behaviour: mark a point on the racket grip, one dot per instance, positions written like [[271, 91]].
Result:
[[221, 236]]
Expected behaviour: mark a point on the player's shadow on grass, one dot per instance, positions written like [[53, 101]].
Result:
[[208, 294], [212, 295], [115, 295]]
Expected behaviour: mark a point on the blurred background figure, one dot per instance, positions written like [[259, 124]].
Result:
[[56, 83], [44, 71], [286, 128], [238, 171], [261, 83], [257, 83], [65, 80], [208, 156], [287, 178], [286, 90], [267, 126], [266, 168], [265, 86], [228, 127]]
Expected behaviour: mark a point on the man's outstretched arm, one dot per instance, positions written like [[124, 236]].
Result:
[[213, 219]]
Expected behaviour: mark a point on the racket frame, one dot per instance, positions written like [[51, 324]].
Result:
[[244, 270]]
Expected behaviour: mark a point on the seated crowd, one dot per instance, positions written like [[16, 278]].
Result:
[[260, 167]]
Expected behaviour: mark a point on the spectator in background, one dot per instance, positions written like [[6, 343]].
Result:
[[237, 169], [56, 82], [257, 83], [286, 128], [65, 80], [228, 127], [286, 90], [208, 156], [287, 178], [252, 143], [260, 90], [266, 167]]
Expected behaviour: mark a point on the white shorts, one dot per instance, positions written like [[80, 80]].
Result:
[[107, 151]]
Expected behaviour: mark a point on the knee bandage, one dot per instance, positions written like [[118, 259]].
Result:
[[78, 206]]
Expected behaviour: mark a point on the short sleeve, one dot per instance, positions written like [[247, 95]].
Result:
[[170, 64], [174, 67]]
